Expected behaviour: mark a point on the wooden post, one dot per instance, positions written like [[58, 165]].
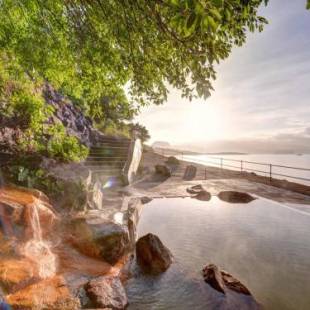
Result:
[[270, 172]]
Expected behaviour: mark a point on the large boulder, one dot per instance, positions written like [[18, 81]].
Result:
[[99, 238], [145, 199], [199, 192], [152, 256], [106, 292], [163, 170], [190, 173], [203, 196], [195, 189], [51, 293], [16, 273], [172, 161], [19, 208], [133, 161], [235, 197], [221, 280]]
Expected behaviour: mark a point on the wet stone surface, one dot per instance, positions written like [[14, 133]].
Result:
[[235, 197]]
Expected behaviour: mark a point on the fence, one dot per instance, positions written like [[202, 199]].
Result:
[[271, 170]]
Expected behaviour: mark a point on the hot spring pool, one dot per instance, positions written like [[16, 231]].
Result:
[[263, 244]]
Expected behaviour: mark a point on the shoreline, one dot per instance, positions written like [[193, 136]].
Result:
[[217, 179]]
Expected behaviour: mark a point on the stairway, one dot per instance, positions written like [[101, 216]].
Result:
[[107, 158]]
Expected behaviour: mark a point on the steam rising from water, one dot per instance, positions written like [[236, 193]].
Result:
[[37, 249]]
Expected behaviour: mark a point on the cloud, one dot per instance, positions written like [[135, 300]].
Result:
[[262, 91], [307, 131], [298, 142]]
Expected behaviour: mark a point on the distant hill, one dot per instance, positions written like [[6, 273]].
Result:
[[161, 144], [227, 153]]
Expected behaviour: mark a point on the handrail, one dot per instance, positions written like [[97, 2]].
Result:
[[259, 163], [269, 171]]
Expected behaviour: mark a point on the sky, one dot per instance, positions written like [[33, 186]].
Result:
[[261, 100]]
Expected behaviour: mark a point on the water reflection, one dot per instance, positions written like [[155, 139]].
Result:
[[264, 245]]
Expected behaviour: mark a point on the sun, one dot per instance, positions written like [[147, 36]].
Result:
[[205, 122]]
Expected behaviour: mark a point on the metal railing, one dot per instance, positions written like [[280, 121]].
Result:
[[240, 165]]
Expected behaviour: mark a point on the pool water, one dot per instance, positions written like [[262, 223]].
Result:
[[263, 244]]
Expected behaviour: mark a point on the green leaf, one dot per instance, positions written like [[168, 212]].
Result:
[[227, 14], [191, 20], [216, 14], [217, 3], [212, 23]]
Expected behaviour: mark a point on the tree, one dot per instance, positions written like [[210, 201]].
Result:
[[92, 49], [112, 56], [140, 131]]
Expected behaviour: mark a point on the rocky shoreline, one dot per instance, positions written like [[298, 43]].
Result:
[[83, 258], [70, 256]]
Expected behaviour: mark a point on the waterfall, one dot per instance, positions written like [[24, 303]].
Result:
[[37, 249]]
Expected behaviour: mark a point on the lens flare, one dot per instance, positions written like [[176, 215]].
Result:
[[110, 183]]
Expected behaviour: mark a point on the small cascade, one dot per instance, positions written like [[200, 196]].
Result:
[[37, 249]]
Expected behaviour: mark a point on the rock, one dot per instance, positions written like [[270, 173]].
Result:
[[195, 189], [97, 196], [221, 280], [18, 207], [163, 170], [146, 200], [75, 181], [212, 275], [106, 292], [134, 156], [199, 192], [173, 161], [52, 294], [70, 115], [99, 238], [234, 284], [8, 246], [190, 172], [133, 213], [9, 135], [235, 197], [203, 196], [16, 273], [152, 256], [47, 218]]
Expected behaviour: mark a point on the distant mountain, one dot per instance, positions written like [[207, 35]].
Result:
[[227, 153], [161, 144], [279, 144]]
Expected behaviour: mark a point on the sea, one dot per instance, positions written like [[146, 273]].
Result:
[[291, 167]]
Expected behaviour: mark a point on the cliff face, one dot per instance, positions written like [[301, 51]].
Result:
[[65, 112], [71, 116]]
